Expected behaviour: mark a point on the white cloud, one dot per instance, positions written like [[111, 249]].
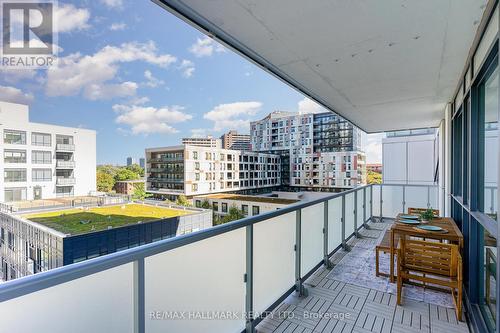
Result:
[[187, 68], [205, 47], [148, 119], [113, 3], [139, 100], [68, 18], [13, 75], [307, 105], [373, 148], [199, 132], [117, 26], [77, 73], [151, 80], [109, 91], [233, 115], [14, 95]]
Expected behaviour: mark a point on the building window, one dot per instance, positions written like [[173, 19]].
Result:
[[197, 176], [14, 137], [244, 208], [41, 175], [41, 157], [64, 191], [215, 206], [198, 203], [224, 207], [64, 139], [194, 187], [197, 165], [15, 194], [41, 139], [255, 210], [11, 241], [14, 156], [488, 115], [195, 155], [14, 175]]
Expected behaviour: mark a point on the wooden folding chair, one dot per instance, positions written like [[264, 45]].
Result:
[[431, 263]]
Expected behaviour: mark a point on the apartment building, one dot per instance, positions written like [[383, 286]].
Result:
[[194, 170], [236, 141], [44, 161], [207, 141], [323, 150]]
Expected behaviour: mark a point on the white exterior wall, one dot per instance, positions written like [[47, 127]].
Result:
[[409, 159], [16, 117]]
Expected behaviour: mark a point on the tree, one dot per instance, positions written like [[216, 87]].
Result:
[[182, 201], [109, 169], [136, 168], [233, 214], [105, 181], [205, 204], [374, 178], [140, 192], [125, 174]]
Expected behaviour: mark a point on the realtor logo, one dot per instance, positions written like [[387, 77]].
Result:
[[28, 38]]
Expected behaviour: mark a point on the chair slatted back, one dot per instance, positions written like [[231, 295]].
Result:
[[430, 257], [418, 211]]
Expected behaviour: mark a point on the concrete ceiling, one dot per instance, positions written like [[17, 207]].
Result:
[[383, 65]]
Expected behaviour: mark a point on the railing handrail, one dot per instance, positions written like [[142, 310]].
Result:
[[28, 284]]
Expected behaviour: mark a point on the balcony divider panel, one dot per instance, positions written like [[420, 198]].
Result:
[[206, 276], [273, 259], [311, 237], [368, 203], [415, 197], [392, 200], [359, 208], [349, 215], [376, 199], [334, 224], [101, 302]]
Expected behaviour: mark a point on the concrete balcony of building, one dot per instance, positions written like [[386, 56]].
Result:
[[62, 164], [277, 265], [65, 147], [65, 181]]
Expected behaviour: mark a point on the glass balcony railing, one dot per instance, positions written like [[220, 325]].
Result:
[[65, 147], [63, 181], [65, 164], [243, 267]]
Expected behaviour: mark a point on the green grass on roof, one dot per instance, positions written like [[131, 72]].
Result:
[[80, 221]]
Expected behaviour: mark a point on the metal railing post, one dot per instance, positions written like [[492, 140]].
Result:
[[404, 198], [355, 213], [326, 260], [342, 220], [429, 197], [371, 203], [249, 326], [381, 201], [139, 290], [299, 287], [364, 209]]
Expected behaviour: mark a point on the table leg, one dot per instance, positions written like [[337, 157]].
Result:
[[391, 273]]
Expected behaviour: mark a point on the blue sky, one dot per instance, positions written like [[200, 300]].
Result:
[[141, 77]]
